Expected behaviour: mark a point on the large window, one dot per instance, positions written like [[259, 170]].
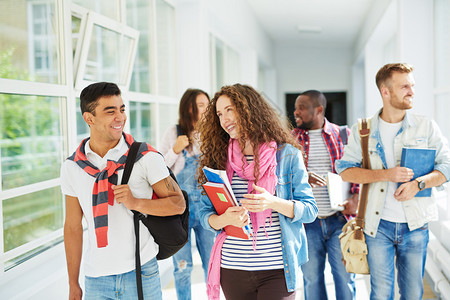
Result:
[[442, 64], [225, 64], [31, 155], [442, 78], [43, 68]]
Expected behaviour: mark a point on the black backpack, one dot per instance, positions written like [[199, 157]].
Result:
[[343, 134], [171, 233]]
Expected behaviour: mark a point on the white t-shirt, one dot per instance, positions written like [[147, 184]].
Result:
[[393, 209], [118, 256]]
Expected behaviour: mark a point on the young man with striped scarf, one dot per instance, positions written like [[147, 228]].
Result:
[[90, 179], [322, 145]]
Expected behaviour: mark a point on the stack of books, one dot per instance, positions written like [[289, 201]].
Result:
[[218, 189]]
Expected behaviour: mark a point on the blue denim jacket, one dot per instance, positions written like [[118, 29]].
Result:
[[417, 132], [292, 185]]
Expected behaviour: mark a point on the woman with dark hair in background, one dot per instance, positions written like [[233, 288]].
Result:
[[241, 133], [180, 149]]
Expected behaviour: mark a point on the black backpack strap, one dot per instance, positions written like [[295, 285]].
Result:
[[180, 131], [343, 134], [129, 163]]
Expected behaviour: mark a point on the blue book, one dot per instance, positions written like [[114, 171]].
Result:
[[421, 161]]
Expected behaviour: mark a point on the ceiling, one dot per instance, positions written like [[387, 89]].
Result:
[[335, 23]]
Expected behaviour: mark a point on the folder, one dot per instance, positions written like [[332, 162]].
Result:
[[421, 161], [338, 191]]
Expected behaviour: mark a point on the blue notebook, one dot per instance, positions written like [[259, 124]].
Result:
[[421, 161]]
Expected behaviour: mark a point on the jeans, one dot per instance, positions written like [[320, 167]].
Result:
[[323, 238], [182, 260], [395, 243], [123, 286]]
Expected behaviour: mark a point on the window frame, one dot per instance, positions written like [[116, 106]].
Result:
[[94, 19]]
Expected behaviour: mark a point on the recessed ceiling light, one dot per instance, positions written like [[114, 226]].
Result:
[[309, 29]]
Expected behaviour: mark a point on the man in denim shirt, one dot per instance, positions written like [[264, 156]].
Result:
[[396, 222]]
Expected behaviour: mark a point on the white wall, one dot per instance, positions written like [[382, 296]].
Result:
[[196, 19], [301, 68], [403, 33]]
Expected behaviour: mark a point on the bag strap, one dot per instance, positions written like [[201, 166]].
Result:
[[129, 163], [364, 132], [180, 131]]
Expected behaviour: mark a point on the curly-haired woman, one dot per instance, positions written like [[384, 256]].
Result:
[[242, 133], [180, 149]]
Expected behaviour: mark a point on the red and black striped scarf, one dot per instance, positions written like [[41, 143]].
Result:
[[102, 195]]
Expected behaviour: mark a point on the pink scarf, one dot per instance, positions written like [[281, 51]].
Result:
[[268, 180]]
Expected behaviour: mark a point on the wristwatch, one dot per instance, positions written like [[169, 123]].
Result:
[[420, 183]]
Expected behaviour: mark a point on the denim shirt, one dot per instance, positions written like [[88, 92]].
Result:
[[416, 132], [292, 185]]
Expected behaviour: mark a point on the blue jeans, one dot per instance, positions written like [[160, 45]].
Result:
[[395, 243], [182, 260], [323, 238], [123, 286]]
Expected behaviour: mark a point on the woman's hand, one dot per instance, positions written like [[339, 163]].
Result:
[[236, 216], [264, 200], [181, 143], [258, 202]]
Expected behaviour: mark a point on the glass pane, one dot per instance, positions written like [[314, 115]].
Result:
[[76, 24], [170, 113], [442, 104], [29, 43], [165, 43], [82, 128], [138, 12], [32, 216], [109, 8], [108, 56], [31, 141], [140, 122], [442, 43]]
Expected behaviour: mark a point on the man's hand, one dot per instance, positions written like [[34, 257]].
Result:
[[350, 205], [123, 195], [75, 292], [407, 191], [316, 180], [400, 174], [181, 143]]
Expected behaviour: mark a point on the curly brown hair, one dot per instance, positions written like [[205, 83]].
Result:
[[257, 123]]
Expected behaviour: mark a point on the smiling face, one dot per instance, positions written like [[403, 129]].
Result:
[[227, 114], [201, 101], [108, 119], [399, 91], [306, 115]]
